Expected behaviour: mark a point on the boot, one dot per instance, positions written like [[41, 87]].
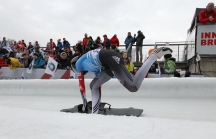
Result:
[[141, 60], [162, 51], [137, 60]]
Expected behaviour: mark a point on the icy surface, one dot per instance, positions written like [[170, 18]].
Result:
[[173, 109]]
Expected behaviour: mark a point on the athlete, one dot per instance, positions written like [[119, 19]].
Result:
[[105, 64]]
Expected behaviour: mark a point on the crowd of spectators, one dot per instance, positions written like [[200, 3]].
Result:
[[62, 51]]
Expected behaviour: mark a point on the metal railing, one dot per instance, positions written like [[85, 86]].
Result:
[[179, 49]]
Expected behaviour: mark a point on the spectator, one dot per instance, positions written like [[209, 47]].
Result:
[[12, 62], [65, 43], [38, 62], [90, 43], [46, 58], [77, 53], [59, 45], [208, 15], [64, 62], [30, 48], [128, 64], [26, 60], [19, 53], [14, 46], [57, 54], [73, 49], [139, 43], [23, 42], [114, 48], [98, 42], [129, 41], [106, 42], [51, 45], [79, 47], [114, 41], [169, 65], [85, 40], [37, 47], [68, 52], [4, 42], [21, 46]]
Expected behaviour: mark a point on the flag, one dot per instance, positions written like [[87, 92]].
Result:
[[42, 53], [29, 70], [129, 46], [51, 66], [23, 76], [32, 53], [72, 75], [7, 48]]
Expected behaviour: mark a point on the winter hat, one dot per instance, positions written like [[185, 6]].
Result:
[[139, 31]]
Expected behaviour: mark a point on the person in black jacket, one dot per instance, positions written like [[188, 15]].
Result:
[[139, 42], [64, 62], [25, 60]]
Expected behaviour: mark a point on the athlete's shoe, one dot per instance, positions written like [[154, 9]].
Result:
[[162, 51]]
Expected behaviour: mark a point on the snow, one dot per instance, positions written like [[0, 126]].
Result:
[[173, 109]]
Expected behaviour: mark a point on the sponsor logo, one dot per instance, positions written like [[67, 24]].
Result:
[[51, 66], [117, 59]]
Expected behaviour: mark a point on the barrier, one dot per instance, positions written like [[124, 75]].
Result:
[[180, 88]]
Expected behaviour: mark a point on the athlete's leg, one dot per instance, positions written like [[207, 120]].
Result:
[[115, 63], [125, 78], [96, 91]]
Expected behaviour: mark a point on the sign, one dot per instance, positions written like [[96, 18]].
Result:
[[206, 39]]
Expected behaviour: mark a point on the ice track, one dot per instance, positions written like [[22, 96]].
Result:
[[173, 108]]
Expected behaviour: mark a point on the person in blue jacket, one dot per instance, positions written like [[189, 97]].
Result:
[[105, 64], [129, 41], [38, 62]]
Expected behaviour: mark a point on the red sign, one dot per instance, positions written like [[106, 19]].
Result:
[[208, 38]]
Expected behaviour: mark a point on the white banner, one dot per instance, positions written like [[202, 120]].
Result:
[[51, 66], [206, 39]]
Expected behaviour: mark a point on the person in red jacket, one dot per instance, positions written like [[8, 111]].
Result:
[[208, 15], [85, 40], [114, 41]]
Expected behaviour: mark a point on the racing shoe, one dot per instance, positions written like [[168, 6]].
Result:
[[162, 51]]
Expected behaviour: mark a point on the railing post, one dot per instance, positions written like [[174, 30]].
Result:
[[178, 53]]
